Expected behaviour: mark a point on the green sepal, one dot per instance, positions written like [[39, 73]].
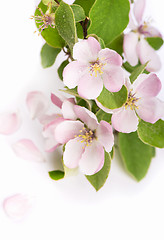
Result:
[[98, 179], [56, 175]]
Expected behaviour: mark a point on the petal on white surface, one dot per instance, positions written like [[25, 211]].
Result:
[[17, 206], [46, 119], [92, 158], [150, 109], [67, 130], [73, 152], [72, 73], [139, 7], [9, 123], [89, 86], [147, 85], [51, 145], [56, 101], [113, 78], [86, 51], [147, 54], [110, 56], [27, 150], [68, 110], [125, 120], [37, 104], [105, 136], [130, 48], [88, 117]]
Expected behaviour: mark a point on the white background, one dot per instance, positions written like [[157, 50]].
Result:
[[69, 209]]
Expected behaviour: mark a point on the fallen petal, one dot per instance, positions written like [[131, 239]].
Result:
[[27, 150], [9, 123], [37, 104], [17, 206]]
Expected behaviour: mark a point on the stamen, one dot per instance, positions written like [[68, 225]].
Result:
[[131, 101], [86, 136], [96, 67]]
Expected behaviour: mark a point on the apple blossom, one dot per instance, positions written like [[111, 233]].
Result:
[[141, 102], [85, 140], [135, 45], [93, 68]]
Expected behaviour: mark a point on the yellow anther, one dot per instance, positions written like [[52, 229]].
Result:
[[131, 101], [86, 136]]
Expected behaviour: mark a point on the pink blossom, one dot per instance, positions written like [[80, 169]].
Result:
[[9, 123], [135, 45], [85, 141], [93, 68], [141, 102]]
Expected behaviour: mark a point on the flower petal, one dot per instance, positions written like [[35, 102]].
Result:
[[147, 85], [68, 109], [105, 136], [139, 7], [86, 51], [150, 109], [51, 145], [89, 86], [17, 206], [149, 31], [92, 158], [125, 120], [27, 150], [9, 123], [73, 152], [130, 48], [46, 119], [67, 130], [86, 116], [147, 54], [72, 73], [110, 56], [37, 104], [113, 78], [56, 101]]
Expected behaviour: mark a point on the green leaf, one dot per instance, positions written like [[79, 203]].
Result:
[[48, 55], [85, 4], [101, 115], [61, 68], [56, 175], [137, 72], [65, 23], [113, 100], [79, 13], [117, 44], [50, 34], [135, 154], [152, 134], [155, 42], [102, 44], [46, 2], [109, 18], [79, 29], [98, 179]]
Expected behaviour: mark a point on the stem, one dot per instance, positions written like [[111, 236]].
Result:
[[68, 53], [57, 2], [84, 25]]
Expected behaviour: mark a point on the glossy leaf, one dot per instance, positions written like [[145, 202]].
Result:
[[152, 134], [56, 175], [113, 100], [155, 42], [79, 13], [61, 68], [109, 18], [85, 4], [50, 34], [98, 179], [48, 55], [135, 154], [117, 44], [65, 23], [137, 72]]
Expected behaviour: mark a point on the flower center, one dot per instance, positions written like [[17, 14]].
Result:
[[131, 101], [47, 19], [86, 136], [96, 67]]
